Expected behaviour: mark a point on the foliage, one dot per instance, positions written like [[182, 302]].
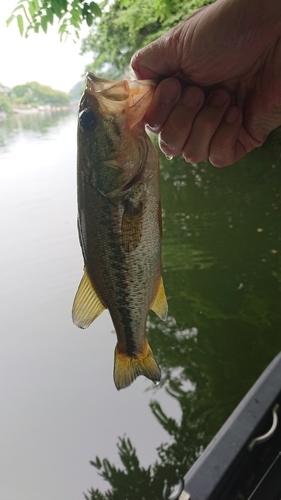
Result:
[[41, 13], [77, 90], [124, 26], [128, 25], [5, 104], [39, 95], [31, 15]]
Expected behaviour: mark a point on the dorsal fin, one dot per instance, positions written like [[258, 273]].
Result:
[[86, 306], [160, 306]]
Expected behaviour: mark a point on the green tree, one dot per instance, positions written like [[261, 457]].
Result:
[[39, 95], [77, 90], [6, 104], [128, 25], [31, 15], [124, 26], [36, 14]]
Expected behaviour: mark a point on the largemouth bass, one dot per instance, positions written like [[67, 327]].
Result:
[[119, 221]]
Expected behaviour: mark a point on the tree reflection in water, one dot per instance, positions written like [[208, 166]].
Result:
[[222, 274]]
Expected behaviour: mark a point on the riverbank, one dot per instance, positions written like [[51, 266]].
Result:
[[24, 110]]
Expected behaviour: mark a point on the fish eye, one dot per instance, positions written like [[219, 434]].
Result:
[[87, 120]]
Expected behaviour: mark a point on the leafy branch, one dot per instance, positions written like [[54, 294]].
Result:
[[31, 15]]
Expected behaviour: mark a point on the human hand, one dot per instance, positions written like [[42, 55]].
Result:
[[223, 94]]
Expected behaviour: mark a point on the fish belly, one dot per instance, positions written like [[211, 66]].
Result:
[[124, 275]]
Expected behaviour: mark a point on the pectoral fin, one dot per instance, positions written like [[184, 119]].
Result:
[[160, 306], [86, 306]]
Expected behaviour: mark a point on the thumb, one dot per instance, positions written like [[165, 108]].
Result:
[[159, 58]]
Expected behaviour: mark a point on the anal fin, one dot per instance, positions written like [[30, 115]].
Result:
[[87, 305], [160, 306]]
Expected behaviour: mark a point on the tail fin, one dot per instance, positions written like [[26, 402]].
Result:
[[127, 369]]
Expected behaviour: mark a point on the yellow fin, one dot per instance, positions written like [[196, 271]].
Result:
[[160, 306], [86, 306], [127, 369]]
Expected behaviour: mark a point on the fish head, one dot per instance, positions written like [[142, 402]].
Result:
[[112, 142]]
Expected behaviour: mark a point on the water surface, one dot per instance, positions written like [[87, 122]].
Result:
[[222, 273]]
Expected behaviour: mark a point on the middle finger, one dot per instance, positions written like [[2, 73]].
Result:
[[205, 124], [178, 124]]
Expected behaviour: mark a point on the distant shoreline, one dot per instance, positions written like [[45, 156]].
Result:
[[37, 109], [25, 110]]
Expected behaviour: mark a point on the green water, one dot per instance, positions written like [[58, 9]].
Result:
[[222, 272]]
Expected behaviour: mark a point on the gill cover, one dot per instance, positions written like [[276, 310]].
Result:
[[133, 97], [113, 143]]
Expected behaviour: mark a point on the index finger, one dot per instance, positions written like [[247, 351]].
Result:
[[165, 98]]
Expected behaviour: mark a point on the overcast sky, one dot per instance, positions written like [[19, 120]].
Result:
[[41, 57]]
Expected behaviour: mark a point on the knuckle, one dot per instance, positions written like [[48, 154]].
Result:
[[219, 162], [170, 149], [221, 156], [194, 157]]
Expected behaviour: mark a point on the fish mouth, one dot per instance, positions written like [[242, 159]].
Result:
[[130, 97], [141, 95]]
